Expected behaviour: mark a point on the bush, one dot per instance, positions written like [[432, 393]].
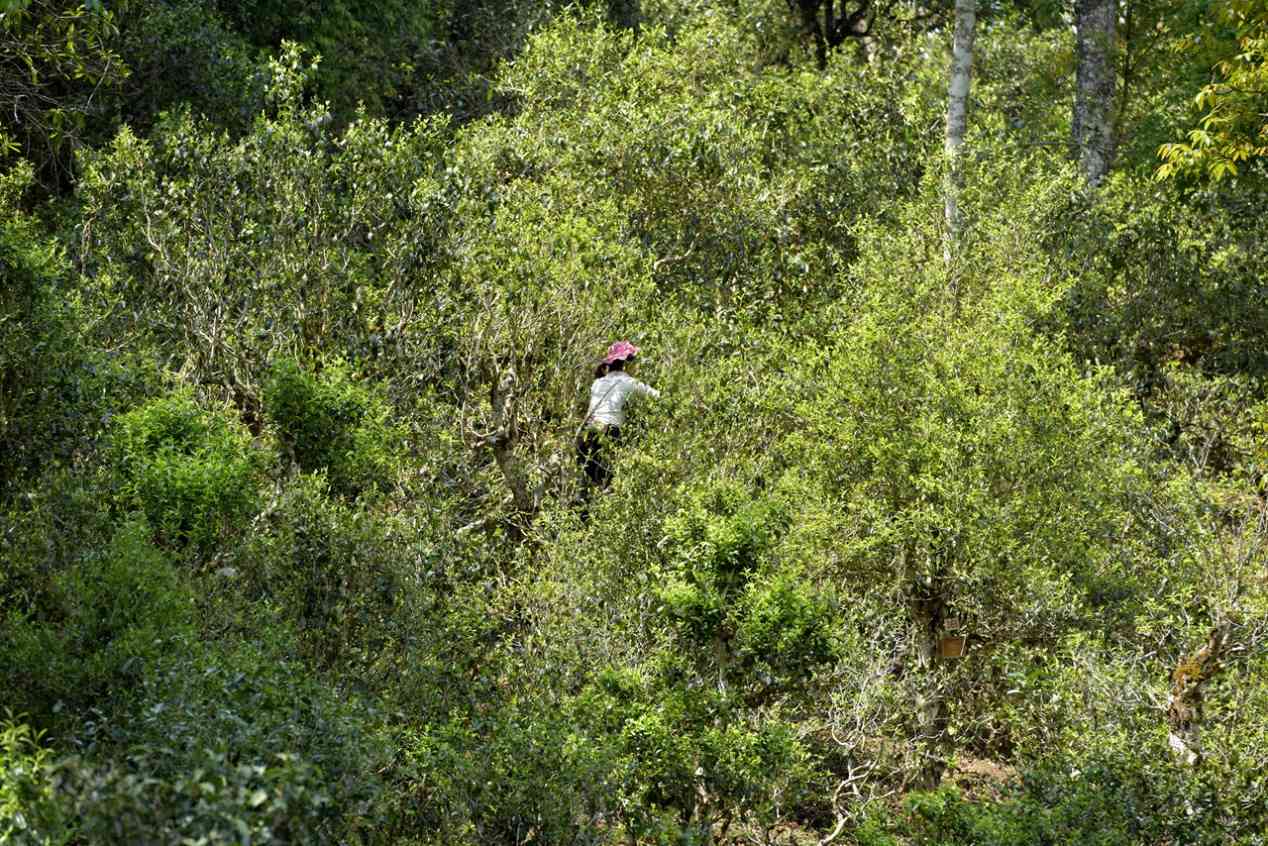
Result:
[[224, 745], [65, 52], [508, 770], [192, 471], [1105, 800], [29, 810], [44, 367], [368, 49], [737, 634], [742, 182], [724, 584], [335, 572], [182, 52], [322, 236], [330, 423], [1161, 276], [108, 619]]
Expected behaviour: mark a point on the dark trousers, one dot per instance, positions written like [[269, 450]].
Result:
[[594, 453]]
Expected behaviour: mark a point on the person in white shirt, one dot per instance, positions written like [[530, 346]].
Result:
[[611, 389]]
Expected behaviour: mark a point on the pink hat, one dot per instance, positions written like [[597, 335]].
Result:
[[620, 350]]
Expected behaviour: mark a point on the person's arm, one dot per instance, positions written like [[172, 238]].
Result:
[[645, 390]]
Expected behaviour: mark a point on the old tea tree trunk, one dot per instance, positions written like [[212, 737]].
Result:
[[1095, 26], [1184, 705], [924, 609]]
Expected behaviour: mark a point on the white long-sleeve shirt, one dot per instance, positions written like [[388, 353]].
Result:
[[608, 396]]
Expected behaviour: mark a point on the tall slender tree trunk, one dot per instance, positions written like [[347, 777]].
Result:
[[924, 604], [1092, 127], [957, 121]]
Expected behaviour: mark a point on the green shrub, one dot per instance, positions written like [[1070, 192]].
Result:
[[69, 67], [737, 634], [1139, 796], [506, 768], [321, 232], [29, 810], [225, 744], [45, 370], [1161, 275], [181, 53], [192, 471], [684, 756], [108, 618], [330, 422], [336, 572], [744, 181], [48, 530], [730, 598], [368, 50]]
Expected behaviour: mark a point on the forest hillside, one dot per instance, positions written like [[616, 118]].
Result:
[[947, 526]]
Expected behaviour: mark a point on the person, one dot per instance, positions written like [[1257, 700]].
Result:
[[610, 391]]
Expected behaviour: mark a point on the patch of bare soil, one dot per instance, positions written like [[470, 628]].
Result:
[[980, 779]]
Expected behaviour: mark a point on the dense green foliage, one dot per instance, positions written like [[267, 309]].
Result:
[[927, 540], [330, 423], [192, 472]]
